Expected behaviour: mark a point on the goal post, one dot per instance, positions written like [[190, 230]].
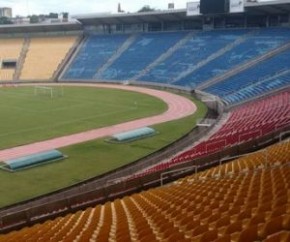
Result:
[[43, 91], [50, 91]]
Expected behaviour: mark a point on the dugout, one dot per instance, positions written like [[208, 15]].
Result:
[[133, 135], [33, 160], [9, 64]]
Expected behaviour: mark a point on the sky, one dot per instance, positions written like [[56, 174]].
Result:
[[28, 7]]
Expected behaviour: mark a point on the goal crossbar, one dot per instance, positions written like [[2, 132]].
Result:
[[46, 90]]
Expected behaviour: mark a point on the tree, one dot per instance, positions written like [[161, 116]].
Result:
[[5, 20], [34, 19], [53, 15], [146, 8]]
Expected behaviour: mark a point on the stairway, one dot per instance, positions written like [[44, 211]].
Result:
[[114, 57], [164, 56], [212, 57], [21, 59], [277, 75], [62, 67], [240, 68]]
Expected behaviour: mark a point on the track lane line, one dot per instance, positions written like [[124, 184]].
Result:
[[178, 107]]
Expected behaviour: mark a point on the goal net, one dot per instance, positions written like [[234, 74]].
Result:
[[48, 91]]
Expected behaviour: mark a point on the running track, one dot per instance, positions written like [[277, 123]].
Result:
[[178, 107]]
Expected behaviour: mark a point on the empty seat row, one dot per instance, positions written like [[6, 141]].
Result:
[[10, 50], [188, 59], [95, 51], [266, 76], [37, 58], [44, 56], [193, 51], [254, 44], [245, 123], [250, 205]]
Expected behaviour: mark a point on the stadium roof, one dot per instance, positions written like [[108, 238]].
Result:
[[36, 28], [130, 18], [272, 7], [253, 7]]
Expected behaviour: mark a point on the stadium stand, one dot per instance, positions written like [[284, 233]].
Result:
[[51, 51], [144, 50], [245, 199], [266, 76], [245, 123], [195, 50], [6, 74], [246, 202], [10, 49], [257, 44], [193, 63], [252, 43], [94, 53]]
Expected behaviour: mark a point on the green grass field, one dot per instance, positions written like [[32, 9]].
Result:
[[92, 158], [26, 118]]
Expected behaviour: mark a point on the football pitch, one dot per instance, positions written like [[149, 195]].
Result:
[[27, 118]]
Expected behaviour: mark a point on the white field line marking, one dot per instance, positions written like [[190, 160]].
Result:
[[59, 124], [31, 97]]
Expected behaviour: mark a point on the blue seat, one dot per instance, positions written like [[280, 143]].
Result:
[[146, 49], [264, 77], [94, 53], [257, 44], [191, 53]]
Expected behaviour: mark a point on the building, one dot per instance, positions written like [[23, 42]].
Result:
[[6, 12], [238, 14]]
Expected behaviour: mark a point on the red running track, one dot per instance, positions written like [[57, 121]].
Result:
[[178, 107]]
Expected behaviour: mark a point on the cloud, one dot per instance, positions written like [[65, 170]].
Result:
[[28, 7]]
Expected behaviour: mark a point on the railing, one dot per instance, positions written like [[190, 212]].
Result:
[[51, 209], [165, 55], [212, 57], [99, 181], [258, 131], [240, 68], [223, 143], [94, 191], [286, 133], [164, 175]]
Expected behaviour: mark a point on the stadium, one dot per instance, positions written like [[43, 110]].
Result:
[[156, 126]]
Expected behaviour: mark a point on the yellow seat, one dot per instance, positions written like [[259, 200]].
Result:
[[248, 234], [44, 56], [271, 227], [282, 236]]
